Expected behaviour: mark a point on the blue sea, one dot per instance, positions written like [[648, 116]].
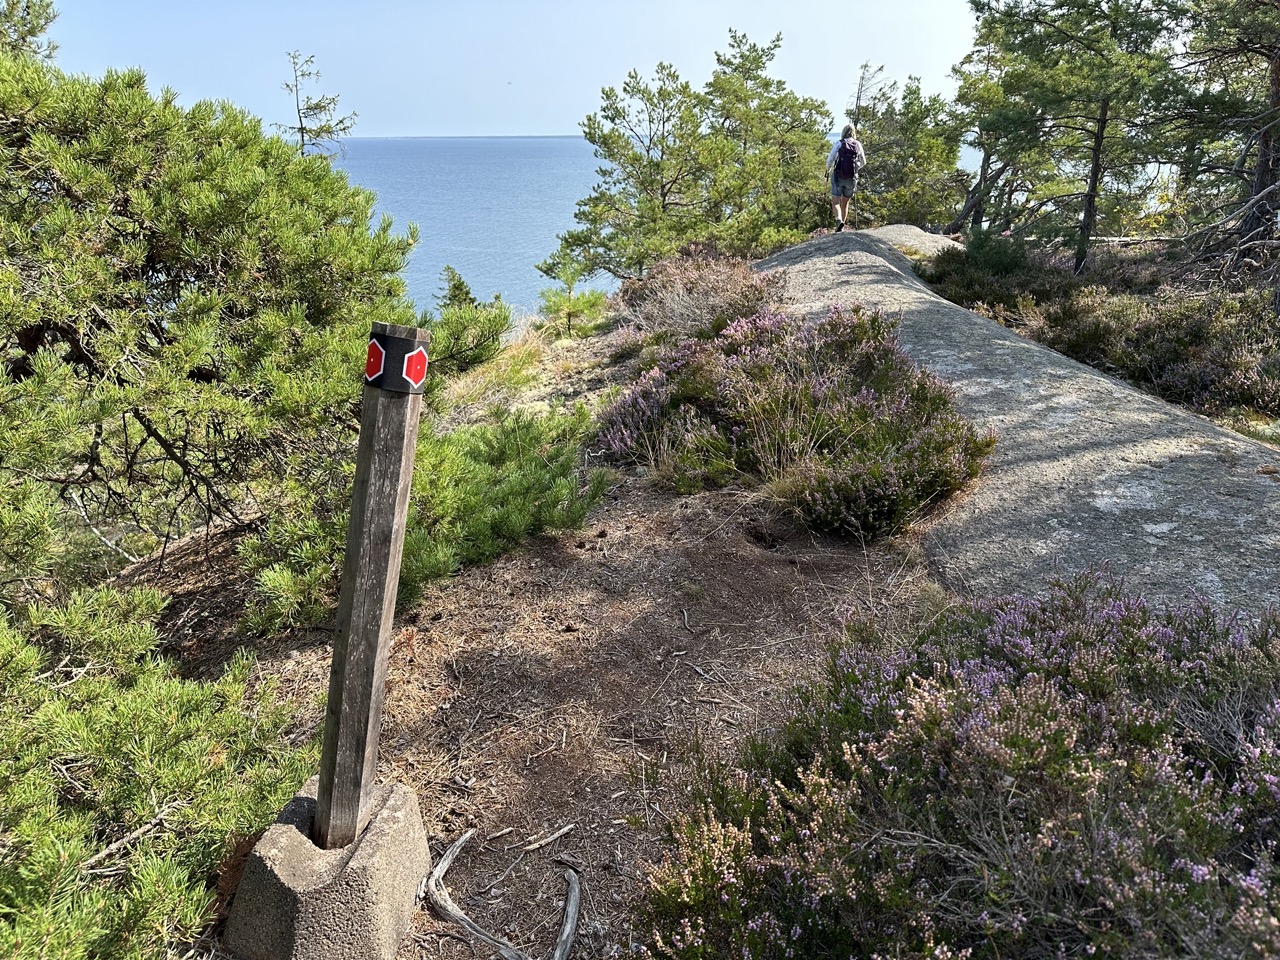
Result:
[[490, 207]]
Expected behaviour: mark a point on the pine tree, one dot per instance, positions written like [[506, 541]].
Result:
[[1234, 62], [318, 127], [1085, 77], [184, 304], [913, 150], [737, 164], [649, 198], [763, 149], [23, 25]]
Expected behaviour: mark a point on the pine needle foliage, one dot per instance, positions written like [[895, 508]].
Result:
[[23, 24], [184, 304], [477, 492], [183, 300], [564, 310], [737, 164], [122, 785]]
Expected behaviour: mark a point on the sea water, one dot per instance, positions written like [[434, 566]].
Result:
[[490, 207]]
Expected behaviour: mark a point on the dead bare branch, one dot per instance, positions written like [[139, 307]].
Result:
[[114, 848], [539, 844], [435, 892], [569, 924], [438, 896]]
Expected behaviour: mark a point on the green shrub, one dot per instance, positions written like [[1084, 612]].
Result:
[[831, 416], [184, 304], [455, 291], [1211, 352], [479, 492], [466, 335], [1089, 324], [995, 272], [476, 493], [122, 787], [565, 313], [1074, 775]]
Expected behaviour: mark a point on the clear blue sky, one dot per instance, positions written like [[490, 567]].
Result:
[[494, 67]]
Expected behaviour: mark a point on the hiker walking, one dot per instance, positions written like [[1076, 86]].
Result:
[[843, 163]]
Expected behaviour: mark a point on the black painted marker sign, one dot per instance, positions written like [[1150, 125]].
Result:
[[397, 359]]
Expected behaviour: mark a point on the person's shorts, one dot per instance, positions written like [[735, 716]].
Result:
[[840, 187]]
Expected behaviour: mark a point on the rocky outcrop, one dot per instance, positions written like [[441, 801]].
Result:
[[1087, 470]]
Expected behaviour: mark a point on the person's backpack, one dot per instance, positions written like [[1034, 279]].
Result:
[[847, 165]]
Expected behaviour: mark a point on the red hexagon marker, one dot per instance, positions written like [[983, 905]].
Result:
[[374, 360], [415, 367]]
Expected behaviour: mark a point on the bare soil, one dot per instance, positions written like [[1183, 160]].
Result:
[[576, 685]]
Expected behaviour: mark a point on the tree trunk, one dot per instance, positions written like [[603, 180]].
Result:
[[972, 201], [1267, 169], [979, 195], [975, 199], [1089, 217], [1005, 216], [976, 203]]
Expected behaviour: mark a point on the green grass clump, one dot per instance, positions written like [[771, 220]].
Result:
[[1075, 775], [830, 418], [100, 738]]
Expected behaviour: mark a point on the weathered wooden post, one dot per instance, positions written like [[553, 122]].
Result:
[[347, 893], [337, 874], [395, 373]]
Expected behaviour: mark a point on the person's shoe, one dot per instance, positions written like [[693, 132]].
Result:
[[839, 225]]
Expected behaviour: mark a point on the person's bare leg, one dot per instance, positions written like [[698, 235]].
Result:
[[840, 206]]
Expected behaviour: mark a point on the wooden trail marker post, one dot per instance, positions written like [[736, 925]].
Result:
[[395, 374]]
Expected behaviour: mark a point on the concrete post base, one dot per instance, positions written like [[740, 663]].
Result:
[[298, 902]]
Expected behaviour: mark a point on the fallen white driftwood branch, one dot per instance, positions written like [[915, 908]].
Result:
[[437, 895]]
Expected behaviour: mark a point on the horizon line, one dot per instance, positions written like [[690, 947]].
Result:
[[468, 136]]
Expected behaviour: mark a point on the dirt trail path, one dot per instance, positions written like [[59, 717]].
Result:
[[1087, 470], [576, 681]]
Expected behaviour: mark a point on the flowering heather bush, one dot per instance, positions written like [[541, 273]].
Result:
[[1067, 776], [1211, 352], [695, 295], [832, 416]]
